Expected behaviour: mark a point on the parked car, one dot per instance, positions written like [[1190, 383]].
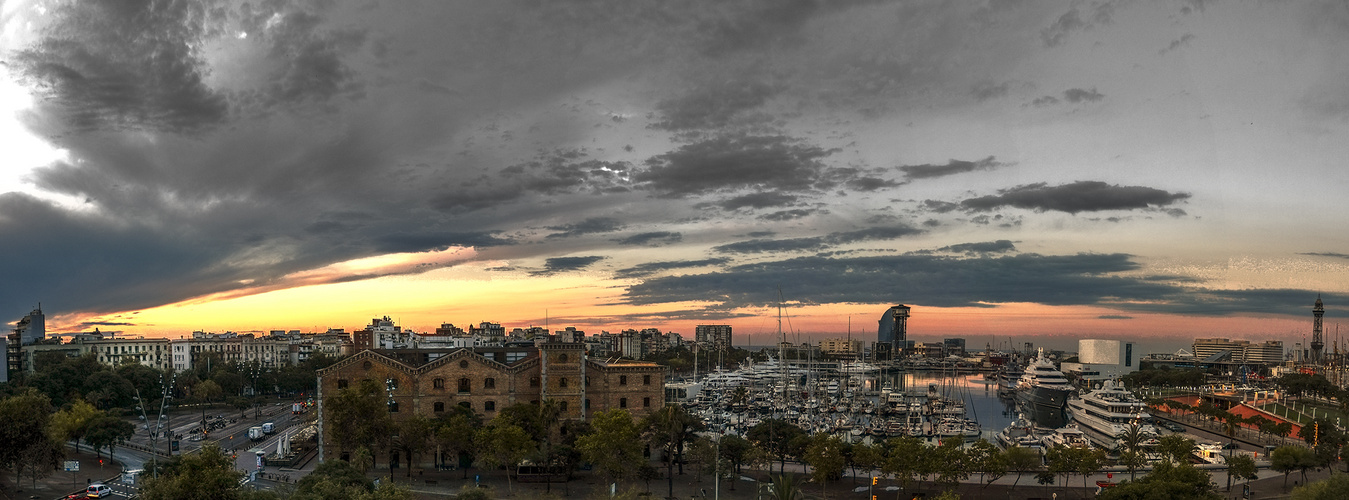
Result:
[[98, 490], [1173, 427]]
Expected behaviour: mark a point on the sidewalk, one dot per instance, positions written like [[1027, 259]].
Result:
[[61, 483]]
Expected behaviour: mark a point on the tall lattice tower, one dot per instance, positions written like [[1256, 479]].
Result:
[[1318, 310]]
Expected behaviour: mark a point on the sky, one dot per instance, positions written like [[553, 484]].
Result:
[[1151, 171]]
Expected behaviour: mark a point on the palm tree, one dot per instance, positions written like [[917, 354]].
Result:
[[1131, 440], [669, 428], [783, 487]]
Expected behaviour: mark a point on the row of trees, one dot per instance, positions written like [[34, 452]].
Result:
[[32, 434], [210, 475]]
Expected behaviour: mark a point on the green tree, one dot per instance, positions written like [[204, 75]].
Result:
[[24, 419], [1332, 488], [734, 452], [778, 437], [362, 412], [1131, 453], [73, 422], [109, 390], [339, 480], [413, 437], [1242, 466], [1179, 481], [613, 445], [904, 459], [668, 429], [988, 460], [108, 432], [949, 463], [503, 444], [1022, 460], [1176, 448], [825, 457], [206, 475], [1287, 459], [454, 435]]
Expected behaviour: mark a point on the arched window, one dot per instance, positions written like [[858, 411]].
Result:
[[438, 383], [646, 402], [622, 380], [463, 363], [466, 404], [622, 402], [562, 382], [489, 406], [489, 383], [533, 381], [463, 385], [562, 406], [646, 380], [439, 406]]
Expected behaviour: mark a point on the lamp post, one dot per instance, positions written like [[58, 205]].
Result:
[[165, 394]]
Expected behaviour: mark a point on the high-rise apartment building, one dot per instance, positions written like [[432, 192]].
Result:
[[713, 336]]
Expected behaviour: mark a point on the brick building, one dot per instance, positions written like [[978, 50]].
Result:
[[429, 382]]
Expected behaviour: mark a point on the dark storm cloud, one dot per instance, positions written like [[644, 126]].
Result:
[[939, 206], [1177, 43], [1000, 246], [310, 65], [937, 281], [770, 246], [765, 163], [88, 324], [759, 200], [952, 167], [1081, 196], [557, 265], [649, 268], [592, 225], [1082, 95], [1098, 12], [421, 242], [552, 173], [784, 215], [984, 91], [112, 65], [653, 238], [1114, 316], [930, 280], [760, 23], [817, 242], [1326, 254], [712, 106]]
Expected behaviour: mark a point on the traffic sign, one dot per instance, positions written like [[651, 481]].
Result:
[[72, 466]]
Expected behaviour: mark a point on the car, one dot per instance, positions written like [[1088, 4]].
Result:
[[98, 490], [1173, 427]]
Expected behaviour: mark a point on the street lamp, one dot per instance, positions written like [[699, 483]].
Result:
[[165, 394]]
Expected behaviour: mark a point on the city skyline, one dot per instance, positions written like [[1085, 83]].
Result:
[[1105, 169]]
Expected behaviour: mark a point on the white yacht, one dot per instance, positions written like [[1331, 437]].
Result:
[[1069, 436], [1110, 411], [1043, 388], [1021, 433]]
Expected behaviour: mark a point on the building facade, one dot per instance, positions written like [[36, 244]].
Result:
[[713, 336], [486, 380], [1221, 350]]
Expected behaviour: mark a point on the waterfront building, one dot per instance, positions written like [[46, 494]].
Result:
[[838, 347], [1223, 351], [486, 380], [716, 337], [1099, 360]]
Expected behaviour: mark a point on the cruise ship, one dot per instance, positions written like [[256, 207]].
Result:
[[1044, 391], [1109, 411]]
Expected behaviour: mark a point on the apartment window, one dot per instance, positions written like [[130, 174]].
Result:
[[439, 406], [489, 406], [646, 380], [341, 383], [562, 382], [646, 402], [438, 383], [622, 380], [622, 402], [463, 385], [489, 383]]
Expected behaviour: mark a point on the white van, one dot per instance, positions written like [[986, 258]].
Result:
[[98, 490]]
